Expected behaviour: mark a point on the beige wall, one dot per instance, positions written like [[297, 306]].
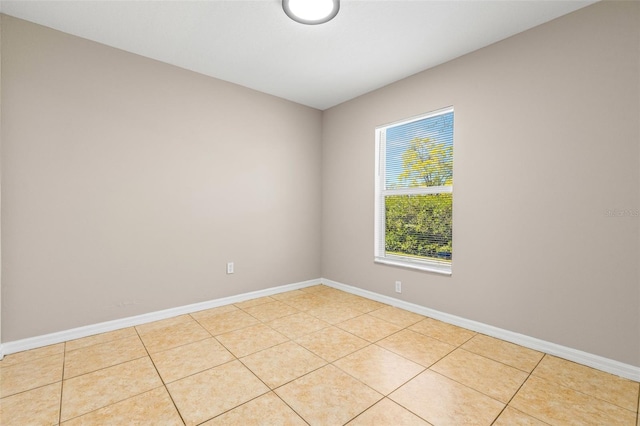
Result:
[[546, 141], [127, 185], [1, 352]]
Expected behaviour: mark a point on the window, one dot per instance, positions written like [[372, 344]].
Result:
[[414, 192]]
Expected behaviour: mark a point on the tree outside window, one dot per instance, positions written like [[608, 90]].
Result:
[[415, 193]]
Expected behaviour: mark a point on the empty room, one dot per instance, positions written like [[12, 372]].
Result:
[[320, 212]]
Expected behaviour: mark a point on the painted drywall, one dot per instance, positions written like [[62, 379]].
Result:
[[547, 141], [1, 352], [127, 185]]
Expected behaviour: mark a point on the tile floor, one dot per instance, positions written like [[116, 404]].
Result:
[[315, 356]]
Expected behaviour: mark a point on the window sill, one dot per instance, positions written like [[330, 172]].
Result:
[[443, 269]]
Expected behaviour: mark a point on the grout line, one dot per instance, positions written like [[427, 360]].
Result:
[[638, 410], [384, 396], [405, 408], [518, 390], [290, 407], [97, 343], [29, 390], [2, 367], [112, 403], [557, 384], [64, 360], [366, 409], [106, 367], [499, 362], [246, 402], [235, 358], [327, 363], [164, 385]]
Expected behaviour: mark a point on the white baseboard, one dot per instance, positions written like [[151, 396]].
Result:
[[604, 364], [89, 330]]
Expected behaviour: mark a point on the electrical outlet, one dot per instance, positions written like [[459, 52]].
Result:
[[398, 287], [230, 268]]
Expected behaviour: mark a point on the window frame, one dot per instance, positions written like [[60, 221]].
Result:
[[380, 255]]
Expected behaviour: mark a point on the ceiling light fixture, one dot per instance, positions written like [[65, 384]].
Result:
[[311, 12]]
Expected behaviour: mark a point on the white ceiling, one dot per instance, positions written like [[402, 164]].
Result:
[[253, 43]]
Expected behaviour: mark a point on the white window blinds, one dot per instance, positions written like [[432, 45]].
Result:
[[414, 192]]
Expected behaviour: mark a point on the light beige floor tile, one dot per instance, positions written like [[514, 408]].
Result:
[[157, 325], [559, 405], [512, 417], [30, 374], [89, 392], [172, 336], [332, 343], [212, 392], [605, 386], [251, 339], [387, 413], [228, 321], [368, 327], [183, 361], [492, 378], [282, 363], [254, 302], [442, 401], [288, 295], [328, 396], [150, 408], [100, 338], [209, 313], [365, 305], [31, 355], [96, 357], [339, 295], [396, 316], [335, 296], [40, 406], [308, 301], [314, 288], [267, 409], [507, 353], [334, 313], [447, 333], [379, 368], [109, 379], [270, 311], [296, 325], [332, 292], [416, 347]]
